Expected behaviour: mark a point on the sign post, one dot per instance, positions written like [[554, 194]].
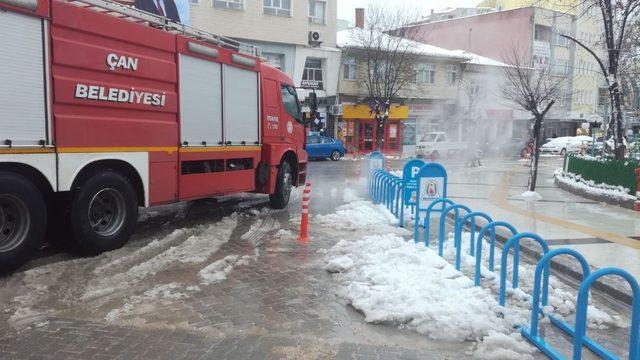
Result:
[[376, 161], [432, 185], [409, 186]]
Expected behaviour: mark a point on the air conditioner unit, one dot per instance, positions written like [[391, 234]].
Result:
[[315, 39], [335, 110]]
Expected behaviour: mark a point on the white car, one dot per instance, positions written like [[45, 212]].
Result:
[[436, 144], [566, 144]]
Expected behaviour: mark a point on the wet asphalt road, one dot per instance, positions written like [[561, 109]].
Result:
[[276, 302]]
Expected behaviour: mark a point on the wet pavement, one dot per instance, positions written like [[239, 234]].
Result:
[[276, 302], [235, 283]]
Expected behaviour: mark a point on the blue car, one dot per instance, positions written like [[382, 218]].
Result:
[[322, 147]]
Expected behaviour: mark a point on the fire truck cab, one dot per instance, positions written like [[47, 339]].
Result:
[[105, 108]]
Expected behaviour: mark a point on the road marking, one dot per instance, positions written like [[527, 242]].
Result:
[[499, 197]]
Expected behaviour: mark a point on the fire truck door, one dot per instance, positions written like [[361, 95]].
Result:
[[23, 85]]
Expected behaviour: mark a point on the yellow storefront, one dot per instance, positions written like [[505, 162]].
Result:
[[359, 132]]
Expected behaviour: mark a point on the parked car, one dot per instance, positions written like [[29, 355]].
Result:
[[566, 144], [436, 144], [322, 147]]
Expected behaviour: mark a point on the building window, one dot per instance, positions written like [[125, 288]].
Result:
[[425, 74], [349, 69], [452, 74], [542, 33], [562, 67], [274, 60], [317, 11], [277, 7], [312, 74], [561, 40], [227, 4], [473, 89]]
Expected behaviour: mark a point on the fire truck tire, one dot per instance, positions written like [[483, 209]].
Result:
[[280, 198], [104, 213], [23, 220]]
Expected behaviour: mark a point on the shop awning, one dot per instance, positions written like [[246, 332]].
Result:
[[397, 112]]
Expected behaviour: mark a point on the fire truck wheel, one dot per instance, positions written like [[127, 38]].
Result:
[[280, 198], [104, 213], [23, 219]]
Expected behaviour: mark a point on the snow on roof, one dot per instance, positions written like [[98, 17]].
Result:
[[480, 60], [346, 39]]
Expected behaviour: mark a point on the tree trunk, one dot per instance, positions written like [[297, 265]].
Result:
[[537, 143], [380, 122], [616, 122]]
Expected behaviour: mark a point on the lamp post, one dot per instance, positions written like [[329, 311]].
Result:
[[594, 125]]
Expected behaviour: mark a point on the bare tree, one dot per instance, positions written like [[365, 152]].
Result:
[[534, 90], [618, 16], [630, 67], [389, 58]]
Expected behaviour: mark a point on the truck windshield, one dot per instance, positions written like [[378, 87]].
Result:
[[431, 137], [290, 101]]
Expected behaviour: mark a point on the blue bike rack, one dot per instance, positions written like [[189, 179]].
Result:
[[427, 219], [388, 189], [492, 244], [542, 271], [513, 242], [443, 218], [471, 217], [581, 314]]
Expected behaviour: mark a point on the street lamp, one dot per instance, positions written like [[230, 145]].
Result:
[[594, 125]]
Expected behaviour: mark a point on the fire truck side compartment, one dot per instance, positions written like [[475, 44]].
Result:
[[23, 119], [241, 106], [200, 102]]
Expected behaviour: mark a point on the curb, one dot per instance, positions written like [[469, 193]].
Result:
[[627, 204]]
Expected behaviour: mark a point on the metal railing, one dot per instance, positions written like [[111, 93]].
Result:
[[386, 188], [132, 14]]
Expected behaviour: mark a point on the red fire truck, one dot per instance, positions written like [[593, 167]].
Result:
[[105, 108]]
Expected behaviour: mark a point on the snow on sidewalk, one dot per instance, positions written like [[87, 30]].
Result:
[[391, 280], [361, 215], [395, 281]]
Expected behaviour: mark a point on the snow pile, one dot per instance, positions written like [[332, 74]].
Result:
[[589, 186], [361, 215], [350, 195], [497, 346], [531, 196], [201, 243], [392, 280]]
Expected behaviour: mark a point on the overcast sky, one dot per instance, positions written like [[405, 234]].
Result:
[[346, 7]]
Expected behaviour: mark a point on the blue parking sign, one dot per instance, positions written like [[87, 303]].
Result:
[[432, 185], [410, 181]]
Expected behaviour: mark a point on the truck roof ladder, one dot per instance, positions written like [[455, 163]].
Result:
[[138, 16]]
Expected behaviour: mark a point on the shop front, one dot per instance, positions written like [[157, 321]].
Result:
[[359, 131]]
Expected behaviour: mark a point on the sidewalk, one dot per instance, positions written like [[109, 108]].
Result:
[[606, 235]]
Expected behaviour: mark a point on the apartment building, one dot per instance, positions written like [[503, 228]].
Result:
[[587, 78], [429, 103], [296, 36], [535, 34]]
